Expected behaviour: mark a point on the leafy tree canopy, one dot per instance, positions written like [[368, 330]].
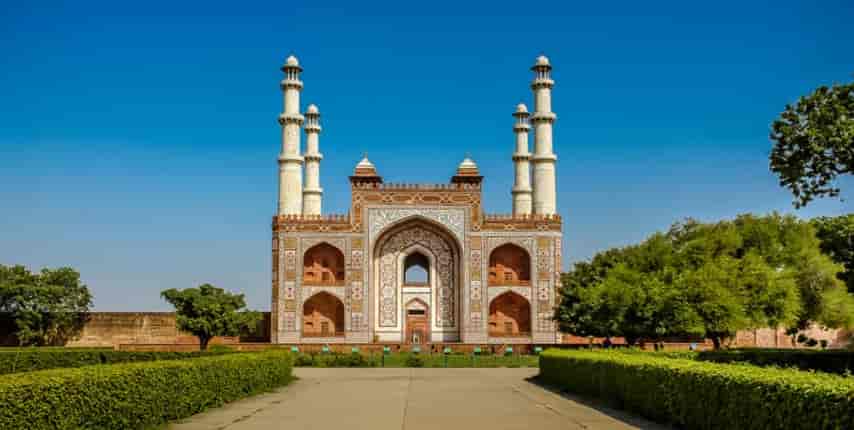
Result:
[[836, 235], [48, 308], [814, 143], [208, 311], [707, 280]]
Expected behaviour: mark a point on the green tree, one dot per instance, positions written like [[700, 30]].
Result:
[[48, 308], [707, 280], [208, 311], [814, 143], [836, 236]]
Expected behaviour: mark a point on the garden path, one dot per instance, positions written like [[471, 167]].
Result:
[[412, 399]]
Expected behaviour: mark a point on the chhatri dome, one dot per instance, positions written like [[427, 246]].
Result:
[[312, 109], [467, 168], [292, 61], [365, 168], [365, 163], [542, 60], [521, 108]]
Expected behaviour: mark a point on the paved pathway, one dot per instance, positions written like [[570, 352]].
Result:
[[411, 399]]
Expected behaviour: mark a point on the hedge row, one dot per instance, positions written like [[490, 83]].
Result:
[[413, 360], [32, 359], [831, 361], [703, 395], [135, 395]]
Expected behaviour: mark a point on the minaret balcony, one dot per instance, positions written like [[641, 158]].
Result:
[[543, 117], [291, 118], [290, 83]]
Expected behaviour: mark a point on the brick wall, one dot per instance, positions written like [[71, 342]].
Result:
[[111, 329]]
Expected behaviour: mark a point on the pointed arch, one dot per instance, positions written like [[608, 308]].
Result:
[[323, 264], [509, 315], [509, 264], [416, 269], [441, 248], [323, 316]]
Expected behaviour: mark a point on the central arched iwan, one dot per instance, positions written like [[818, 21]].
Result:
[[390, 262]]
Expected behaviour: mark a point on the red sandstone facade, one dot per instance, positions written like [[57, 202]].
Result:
[[342, 279]]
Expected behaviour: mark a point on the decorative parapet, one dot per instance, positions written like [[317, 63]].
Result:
[[510, 222], [392, 186], [312, 223]]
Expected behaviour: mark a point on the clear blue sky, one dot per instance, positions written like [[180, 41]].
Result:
[[138, 140]]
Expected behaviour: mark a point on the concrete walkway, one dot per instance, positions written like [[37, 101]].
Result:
[[412, 399]]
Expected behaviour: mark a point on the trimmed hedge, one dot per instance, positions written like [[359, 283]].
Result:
[[135, 395], [703, 395], [32, 359], [831, 361], [413, 360]]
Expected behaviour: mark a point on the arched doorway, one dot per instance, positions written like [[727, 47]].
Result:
[[417, 326], [509, 264], [323, 316], [509, 316], [416, 258]]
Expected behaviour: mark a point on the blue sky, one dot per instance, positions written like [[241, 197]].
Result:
[[138, 140]]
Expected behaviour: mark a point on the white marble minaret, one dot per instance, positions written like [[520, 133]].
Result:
[[290, 161], [545, 194], [312, 194], [521, 163]]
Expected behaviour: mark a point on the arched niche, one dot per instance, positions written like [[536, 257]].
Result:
[[509, 316], [509, 264], [323, 264], [323, 316]]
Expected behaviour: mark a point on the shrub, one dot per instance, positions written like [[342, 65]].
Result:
[[414, 360], [702, 395], [18, 360], [406, 359], [832, 361], [303, 360], [135, 395]]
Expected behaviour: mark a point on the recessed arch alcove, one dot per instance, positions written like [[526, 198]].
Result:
[[323, 316], [509, 264], [323, 264], [509, 316]]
